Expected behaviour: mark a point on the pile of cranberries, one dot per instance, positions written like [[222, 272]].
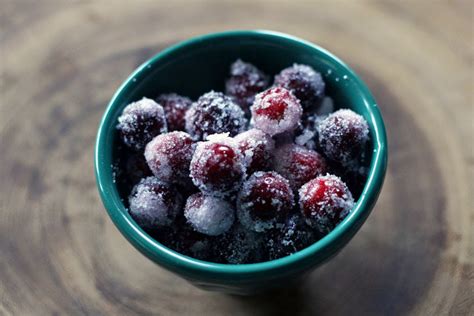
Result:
[[253, 174]]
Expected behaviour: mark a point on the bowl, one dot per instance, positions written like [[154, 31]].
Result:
[[201, 64]]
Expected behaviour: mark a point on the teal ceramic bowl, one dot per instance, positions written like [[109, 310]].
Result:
[[201, 64]]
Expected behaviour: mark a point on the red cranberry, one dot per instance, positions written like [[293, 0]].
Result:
[[244, 83], [214, 113], [265, 198], [298, 164], [154, 203], [305, 83], [217, 167], [140, 122], [325, 201], [175, 107], [209, 215], [343, 135], [257, 148], [276, 110], [169, 155]]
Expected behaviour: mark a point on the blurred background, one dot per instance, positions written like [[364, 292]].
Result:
[[60, 63]]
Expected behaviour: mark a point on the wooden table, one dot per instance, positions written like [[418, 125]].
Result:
[[62, 60]]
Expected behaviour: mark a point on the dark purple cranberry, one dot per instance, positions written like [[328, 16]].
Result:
[[343, 135], [175, 107], [154, 203], [140, 122], [214, 113], [244, 83], [305, 83], [290, 237], [237, 246]]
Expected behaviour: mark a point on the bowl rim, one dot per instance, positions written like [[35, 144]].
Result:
[[176, 261]]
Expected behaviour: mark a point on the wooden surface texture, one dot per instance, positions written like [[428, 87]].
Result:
[[60, 63]]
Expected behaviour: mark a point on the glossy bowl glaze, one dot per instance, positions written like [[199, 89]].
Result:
[[201, 64]]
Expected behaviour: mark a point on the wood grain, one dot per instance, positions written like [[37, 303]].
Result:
[[62, 60]]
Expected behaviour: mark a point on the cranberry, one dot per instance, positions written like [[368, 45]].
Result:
[[237, 246], [244, 83], [209, 215], [325, 201], [187, 241], [169, 155], [217, 167], [275, 111], [305, 83], [214, 113], [294, 235], [154, 203], [298, 164], [140, 122], [175, 107], [257, 148], [265, 198], [343, 135]]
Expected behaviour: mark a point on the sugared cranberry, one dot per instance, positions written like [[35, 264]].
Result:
[[187, 241], [237, 246], [257, 148], [265, 198], [305, 83], [169, 155], [217, 167], [343, 135], [209, 215], [276, 110], [154, 203], [325, 201], [140, 122], [298, 164], [214, 113], [244, 83], [292, 236], [175, 107]]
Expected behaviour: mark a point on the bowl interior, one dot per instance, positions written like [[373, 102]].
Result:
[[199, 65]]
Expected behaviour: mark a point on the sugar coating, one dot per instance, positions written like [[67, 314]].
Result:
[[325, 201], [264, 199], [169, 155], [289, 237], [217, 166], [275, 111], [305, 83], [237, 246], [175, 107], [209, 215], [140, 122], [257, 148], [214, 113], [245, 82], [154, 203], [343, 135], [298, 164]]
